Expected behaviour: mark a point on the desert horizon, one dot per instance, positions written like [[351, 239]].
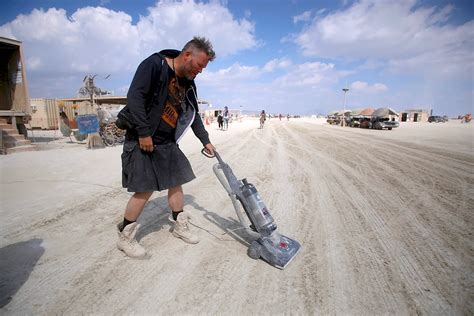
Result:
[[384, 219]]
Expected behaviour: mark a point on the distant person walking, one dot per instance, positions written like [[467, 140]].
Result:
[[263, 118], [279, 116], [220, 120], [226, 116]]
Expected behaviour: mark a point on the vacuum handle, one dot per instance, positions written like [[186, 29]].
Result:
[[216, 155], [208, 155], [226, 170]]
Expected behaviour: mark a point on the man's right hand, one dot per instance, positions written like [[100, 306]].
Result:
[[146, 143]]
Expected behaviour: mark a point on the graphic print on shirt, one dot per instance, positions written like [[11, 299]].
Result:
[[170, 113]]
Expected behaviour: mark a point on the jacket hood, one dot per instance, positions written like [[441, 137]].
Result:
[[170, 53]]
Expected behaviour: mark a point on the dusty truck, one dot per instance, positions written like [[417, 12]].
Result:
[[15, 108]]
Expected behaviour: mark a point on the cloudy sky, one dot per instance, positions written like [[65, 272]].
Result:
[[284, 56]]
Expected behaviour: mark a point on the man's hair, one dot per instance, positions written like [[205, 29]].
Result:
[[201, 44]]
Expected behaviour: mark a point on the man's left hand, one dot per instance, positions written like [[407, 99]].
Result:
[[209, 148]]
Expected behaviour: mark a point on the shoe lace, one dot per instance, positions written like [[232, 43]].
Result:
[[184, 224]]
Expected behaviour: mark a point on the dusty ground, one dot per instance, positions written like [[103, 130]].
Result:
[[385, 219]]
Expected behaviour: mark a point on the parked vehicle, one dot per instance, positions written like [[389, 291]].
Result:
[[359, 121], [333, 120], [436, 119], [466, 118], [379, 122]]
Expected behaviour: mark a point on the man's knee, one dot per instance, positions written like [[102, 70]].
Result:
[[142, 195], [175, 189]]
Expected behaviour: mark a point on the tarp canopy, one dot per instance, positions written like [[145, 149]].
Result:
[[384, 112], [339, 112], [355, 112], [367, 111]]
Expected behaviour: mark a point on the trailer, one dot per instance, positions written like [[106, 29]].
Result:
[[15, 108]]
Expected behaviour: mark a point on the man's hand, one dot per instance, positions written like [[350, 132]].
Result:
[[146, 143], [209, 148]]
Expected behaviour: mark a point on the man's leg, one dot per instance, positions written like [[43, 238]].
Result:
[[128, 229], [181, 228], [176, 200], [136, 204]]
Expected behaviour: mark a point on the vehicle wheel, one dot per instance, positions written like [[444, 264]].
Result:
[[389, 128], [120, 139], [108, 138], [83, 92], [254, 250], [79, 137]]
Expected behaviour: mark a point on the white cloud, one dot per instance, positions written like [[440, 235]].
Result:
[[409, 37], [249, 85], [253, 88], [278, 63], [186, 19], [380, 87], [310, 74], [359, 85], [230, 77], [34, 63], [306, 74], [91, 37], [321, 11], [97, 40], [303, 17], [362, 86]]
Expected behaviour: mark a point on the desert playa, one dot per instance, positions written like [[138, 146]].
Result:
[[385, 220]]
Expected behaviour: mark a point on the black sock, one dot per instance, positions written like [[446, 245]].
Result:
[[125, 223], [175, 214]]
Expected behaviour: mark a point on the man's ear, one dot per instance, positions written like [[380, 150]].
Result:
[[187, 55]]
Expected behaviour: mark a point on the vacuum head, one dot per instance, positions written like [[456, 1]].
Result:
[[277, 250], [266, 242]]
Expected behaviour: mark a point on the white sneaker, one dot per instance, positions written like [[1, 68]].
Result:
[[181, 228], [127, 242]]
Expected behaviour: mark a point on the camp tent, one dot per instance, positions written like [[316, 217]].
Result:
[[362, 112], [367, 112], [384, 112]]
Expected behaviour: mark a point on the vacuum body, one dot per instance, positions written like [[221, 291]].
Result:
[[265, 241]]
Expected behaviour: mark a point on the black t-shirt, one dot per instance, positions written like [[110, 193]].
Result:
[[174, 104]]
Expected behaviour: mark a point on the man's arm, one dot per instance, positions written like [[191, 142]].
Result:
[[139, 95], [199, 130]]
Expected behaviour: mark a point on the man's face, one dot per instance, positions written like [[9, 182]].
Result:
[[194, 63]]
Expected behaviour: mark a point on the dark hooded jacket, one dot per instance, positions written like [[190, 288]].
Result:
[[147, 96]]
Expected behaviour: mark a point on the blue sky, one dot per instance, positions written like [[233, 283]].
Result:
[[284, 56]]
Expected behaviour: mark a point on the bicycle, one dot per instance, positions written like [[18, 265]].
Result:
[[111, 135]]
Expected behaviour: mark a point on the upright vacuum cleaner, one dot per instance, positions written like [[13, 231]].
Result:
[[265, 241]]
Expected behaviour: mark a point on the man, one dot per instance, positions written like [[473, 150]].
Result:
[[162, 105], [220, 120], [226, 118], [263, 118]]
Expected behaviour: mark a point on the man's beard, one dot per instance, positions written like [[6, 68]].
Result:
[[187, 71]]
